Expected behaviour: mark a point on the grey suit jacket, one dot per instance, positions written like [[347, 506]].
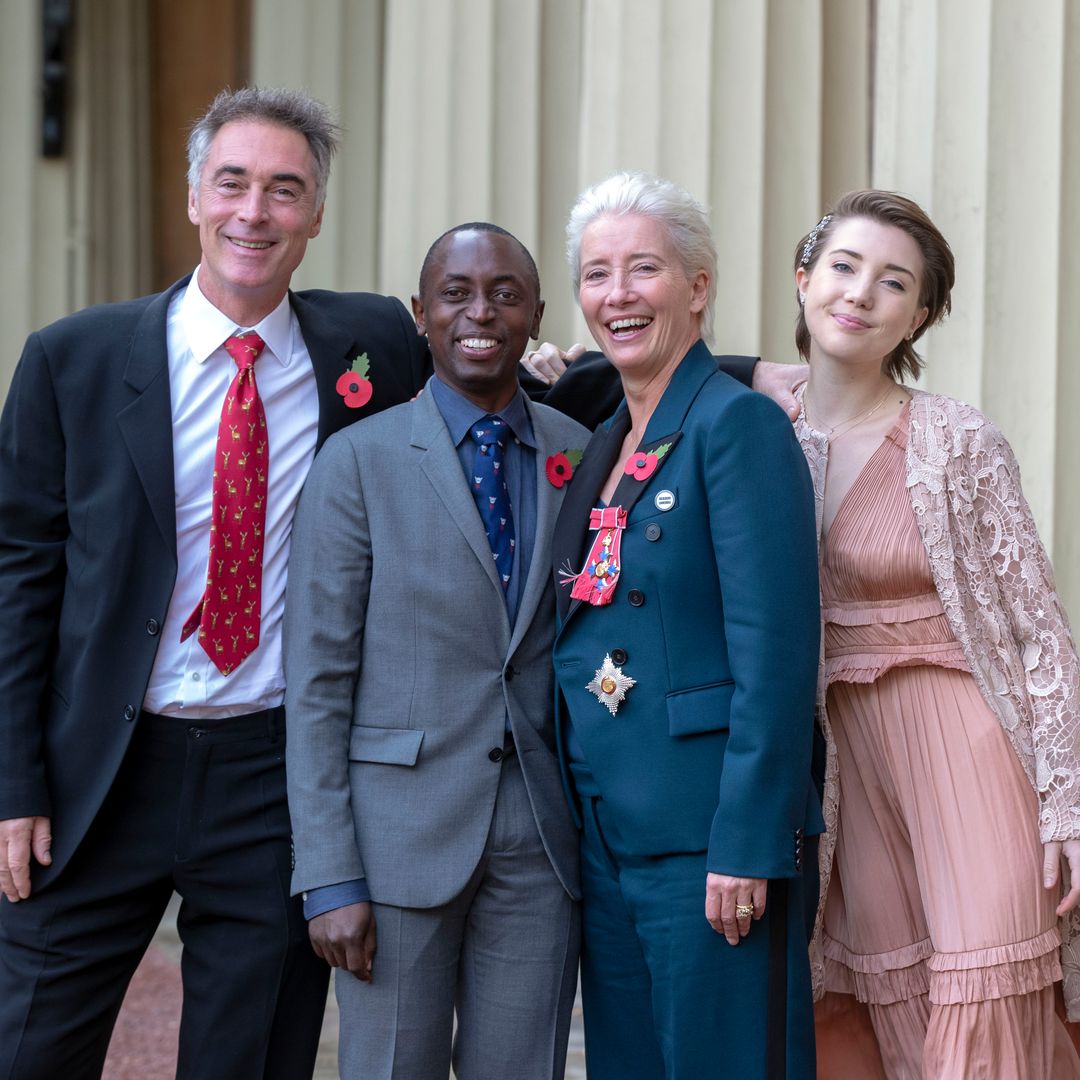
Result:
[[401, 665]]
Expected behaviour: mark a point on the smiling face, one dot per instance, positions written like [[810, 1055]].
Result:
[[479, 307], [641, 308], [256, 209], [862, 297]]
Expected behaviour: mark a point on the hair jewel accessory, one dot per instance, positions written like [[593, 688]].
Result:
[[811, 240]]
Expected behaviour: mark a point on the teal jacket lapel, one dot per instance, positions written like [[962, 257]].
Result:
[[572, 531], [571, 528]]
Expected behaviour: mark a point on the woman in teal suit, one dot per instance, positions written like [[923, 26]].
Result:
[[686, 661]]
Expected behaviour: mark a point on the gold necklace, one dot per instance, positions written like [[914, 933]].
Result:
[[853, 422]]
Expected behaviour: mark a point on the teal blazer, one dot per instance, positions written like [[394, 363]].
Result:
[[715, 617]]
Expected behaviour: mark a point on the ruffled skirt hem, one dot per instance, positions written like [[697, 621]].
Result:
[[949, 978]]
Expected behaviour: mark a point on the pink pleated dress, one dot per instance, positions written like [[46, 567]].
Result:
[[936, 916]]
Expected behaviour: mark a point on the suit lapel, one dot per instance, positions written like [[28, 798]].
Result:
[[548, 500], [332, 349], [630, 488], [146, 423], [571, 529], [572, 532], [442, 467]]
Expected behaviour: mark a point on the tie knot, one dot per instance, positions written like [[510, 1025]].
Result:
[[244, 348], [490, 431]]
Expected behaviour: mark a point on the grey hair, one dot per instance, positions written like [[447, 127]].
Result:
[[677, 210], [288, 108]]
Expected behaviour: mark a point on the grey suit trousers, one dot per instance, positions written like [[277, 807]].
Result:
[[502, 953]]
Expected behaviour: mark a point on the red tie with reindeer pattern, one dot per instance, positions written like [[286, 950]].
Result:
[[227, 616]]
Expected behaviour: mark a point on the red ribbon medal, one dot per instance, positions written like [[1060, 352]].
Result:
[[596, 582]]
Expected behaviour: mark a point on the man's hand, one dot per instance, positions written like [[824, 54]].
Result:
[[345, 938], [548, 362], [21, 838], [723, 895], [1052, 861], [779, 382]]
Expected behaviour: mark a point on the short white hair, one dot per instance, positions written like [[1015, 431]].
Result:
[[683, 218]]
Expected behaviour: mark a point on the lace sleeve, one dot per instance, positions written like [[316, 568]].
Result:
[[1045, 659]]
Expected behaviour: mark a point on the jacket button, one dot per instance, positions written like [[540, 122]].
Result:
[[618, 657], [653, 531], [509, 674], [495, 753], [129, 712], [636, 597], [152, 627]]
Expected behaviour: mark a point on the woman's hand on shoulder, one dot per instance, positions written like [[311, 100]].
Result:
[[1052, 854], [726, 897]]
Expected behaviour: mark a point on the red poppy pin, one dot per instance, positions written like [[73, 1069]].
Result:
[[641, 466], [355, 386], [560, 467]]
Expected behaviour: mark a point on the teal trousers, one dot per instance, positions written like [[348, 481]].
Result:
[[666, 997]]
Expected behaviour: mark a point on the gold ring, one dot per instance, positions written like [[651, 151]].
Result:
[[744, 911]]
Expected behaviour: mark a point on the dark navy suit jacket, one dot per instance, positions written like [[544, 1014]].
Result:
[[88, 534]]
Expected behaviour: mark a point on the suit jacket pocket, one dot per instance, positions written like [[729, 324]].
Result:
[[700, 708], [385, 746]]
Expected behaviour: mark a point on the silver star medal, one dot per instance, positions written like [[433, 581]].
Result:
[[610, 685]]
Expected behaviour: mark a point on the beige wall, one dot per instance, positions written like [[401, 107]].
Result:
[[75, 230], [504, 109], [765, 109]]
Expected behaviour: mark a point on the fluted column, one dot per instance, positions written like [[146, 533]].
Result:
[[24, 291], [333, 49], [975, 117], [76, 229], [766, 110]]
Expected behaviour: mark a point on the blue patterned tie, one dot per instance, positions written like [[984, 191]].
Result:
[[491, 493]]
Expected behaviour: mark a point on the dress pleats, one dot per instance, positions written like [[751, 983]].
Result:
[[936, 916]]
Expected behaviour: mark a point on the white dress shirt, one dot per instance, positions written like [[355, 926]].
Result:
[[184, 681]]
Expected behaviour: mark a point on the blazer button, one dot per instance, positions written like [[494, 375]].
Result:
[[129, 712], [509, 674], [636, 597], [152, 627], [618, 657], [653, 531], [495, 754]]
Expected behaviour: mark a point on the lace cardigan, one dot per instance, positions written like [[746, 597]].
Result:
[[997, 588]]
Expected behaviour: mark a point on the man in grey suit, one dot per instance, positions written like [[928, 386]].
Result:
[[428, 812]]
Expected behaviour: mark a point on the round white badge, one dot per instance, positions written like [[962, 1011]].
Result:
[[665, 499]]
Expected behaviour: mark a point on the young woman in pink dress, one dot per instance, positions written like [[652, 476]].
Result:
[[949, 695]]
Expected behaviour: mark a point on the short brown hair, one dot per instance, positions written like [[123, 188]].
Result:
[[938, 275]]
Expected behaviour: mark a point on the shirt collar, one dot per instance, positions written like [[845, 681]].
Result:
[[205, 328], [460, 413]]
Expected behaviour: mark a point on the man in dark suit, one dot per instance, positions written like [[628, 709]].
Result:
[[149, 470]]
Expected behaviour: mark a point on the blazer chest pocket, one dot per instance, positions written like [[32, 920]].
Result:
[[700, 708], [385, 746]]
